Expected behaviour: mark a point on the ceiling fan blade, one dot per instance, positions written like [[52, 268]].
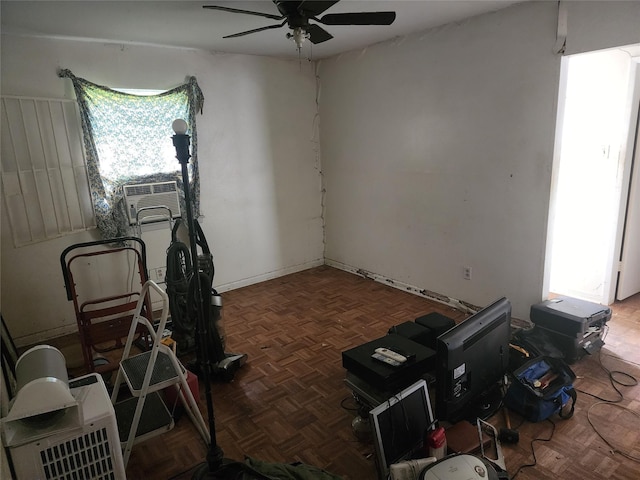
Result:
[[317, 34], [313, 8], [240, 34], [248, 12], [362, 18]]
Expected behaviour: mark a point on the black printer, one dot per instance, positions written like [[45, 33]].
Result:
[[575, 326]]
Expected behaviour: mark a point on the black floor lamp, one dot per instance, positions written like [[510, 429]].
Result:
[[214, 467]]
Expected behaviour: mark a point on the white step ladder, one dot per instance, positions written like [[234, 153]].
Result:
[[145, 414]]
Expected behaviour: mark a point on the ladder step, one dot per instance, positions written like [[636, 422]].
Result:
[[164, 373], [155, 418]]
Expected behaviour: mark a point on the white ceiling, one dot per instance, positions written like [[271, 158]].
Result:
[[186, 24]]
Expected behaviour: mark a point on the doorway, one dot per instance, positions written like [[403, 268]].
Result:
[[592, 188]]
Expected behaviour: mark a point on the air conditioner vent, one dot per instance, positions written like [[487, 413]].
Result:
[[164, 187], [87, 456], [130, 190]]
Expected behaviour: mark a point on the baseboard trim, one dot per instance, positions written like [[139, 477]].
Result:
[[434, 296], [245, 282], [42, 337]]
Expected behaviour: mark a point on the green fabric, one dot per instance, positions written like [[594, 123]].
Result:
[[289, 471], [127, 139]]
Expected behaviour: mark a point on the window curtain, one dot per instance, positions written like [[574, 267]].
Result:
[[124, 137]]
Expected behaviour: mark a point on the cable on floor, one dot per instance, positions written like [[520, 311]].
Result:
[[533, 450], [349, 409], [614, 449], [632, 381]]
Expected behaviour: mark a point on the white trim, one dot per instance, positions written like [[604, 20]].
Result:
[[561, 35], [47, 335], [434, 296], [245, 282]]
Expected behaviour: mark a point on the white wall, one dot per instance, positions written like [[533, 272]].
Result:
[[442, 158], [437, 152], [258, 151]]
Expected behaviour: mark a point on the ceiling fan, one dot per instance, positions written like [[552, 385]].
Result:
[[296, 14]]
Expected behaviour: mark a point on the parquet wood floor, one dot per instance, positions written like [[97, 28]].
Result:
[[289, 402]]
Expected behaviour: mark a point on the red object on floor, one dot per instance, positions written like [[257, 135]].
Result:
[[171, 395]]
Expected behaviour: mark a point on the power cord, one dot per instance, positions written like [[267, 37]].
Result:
[[633, 381], [344, 401], [533, 450], [614, 449]]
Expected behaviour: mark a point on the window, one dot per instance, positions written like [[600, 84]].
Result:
[[132, 132], [127, 139]]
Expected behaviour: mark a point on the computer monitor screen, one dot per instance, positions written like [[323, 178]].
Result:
[[399, 425], [472, 358]]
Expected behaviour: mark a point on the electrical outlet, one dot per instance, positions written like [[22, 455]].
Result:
[[160, 273], [466, 273]]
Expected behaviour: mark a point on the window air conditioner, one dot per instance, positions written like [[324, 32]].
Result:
[[148, 196]]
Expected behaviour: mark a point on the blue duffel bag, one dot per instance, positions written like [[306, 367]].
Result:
[[540, 388]]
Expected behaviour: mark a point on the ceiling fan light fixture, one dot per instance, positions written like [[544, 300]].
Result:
[[299, 36]]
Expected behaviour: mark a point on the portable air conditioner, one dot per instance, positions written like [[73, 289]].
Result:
[[59, 430], [148, 195]]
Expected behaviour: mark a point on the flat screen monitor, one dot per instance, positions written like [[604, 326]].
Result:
[[472, 358], [399, 425]]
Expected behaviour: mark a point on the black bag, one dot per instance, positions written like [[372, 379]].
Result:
[[541, 388], [527, 344]]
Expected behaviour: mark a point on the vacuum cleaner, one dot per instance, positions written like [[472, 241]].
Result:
[[183, 306]]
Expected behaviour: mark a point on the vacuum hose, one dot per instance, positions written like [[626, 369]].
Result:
[[181, 291]]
